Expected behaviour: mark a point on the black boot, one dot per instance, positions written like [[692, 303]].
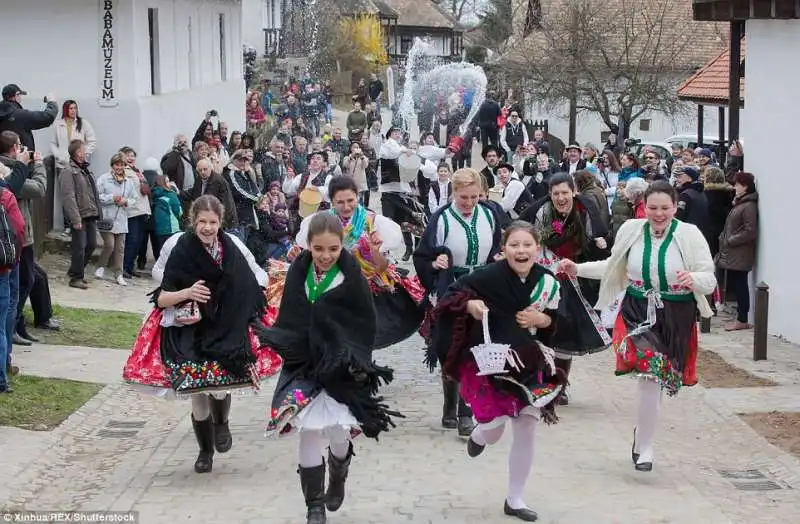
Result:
[[450, 406], [337, 475], [204, 432], [222, 433], [465, 424], [565, 365], [312, 481]]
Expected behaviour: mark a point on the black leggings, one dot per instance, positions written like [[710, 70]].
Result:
[[738, 281]]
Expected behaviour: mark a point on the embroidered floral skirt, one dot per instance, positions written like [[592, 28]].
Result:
[[147, 371], [300, 404], [496, 399], [667, 351]]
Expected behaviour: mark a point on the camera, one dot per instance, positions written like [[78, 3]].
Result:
[[213, 112], [30, 155], [629, 142]]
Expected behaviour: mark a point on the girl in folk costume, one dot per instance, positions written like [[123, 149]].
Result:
[[461, 237], [569, 227], [200, 340], [516, 300], [665, 267], [441, 191], [327, 390], [370, 237]]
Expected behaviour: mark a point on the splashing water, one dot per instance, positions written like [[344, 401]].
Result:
[[312, 49], [426, 82], [413, 64]]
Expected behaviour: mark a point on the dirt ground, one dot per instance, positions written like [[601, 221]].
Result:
[[716, 372], [781, 429]]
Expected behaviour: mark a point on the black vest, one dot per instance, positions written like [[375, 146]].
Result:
[[514, 137], [390, 170], [437, 191], [523, 202], [489, 175]]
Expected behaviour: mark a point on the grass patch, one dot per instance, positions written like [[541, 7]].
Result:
[[90, 328], [41, 404], [715, 372]]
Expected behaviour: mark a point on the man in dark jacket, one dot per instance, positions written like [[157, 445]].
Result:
[[692, 202], [487, 117], [210, 183], [23, 122]]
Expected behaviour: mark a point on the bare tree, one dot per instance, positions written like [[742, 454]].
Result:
[[459, 9], [616, 58]]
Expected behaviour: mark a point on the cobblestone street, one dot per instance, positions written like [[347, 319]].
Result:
[[122, 451]]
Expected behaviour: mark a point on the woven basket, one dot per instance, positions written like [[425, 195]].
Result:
[[492, 357]]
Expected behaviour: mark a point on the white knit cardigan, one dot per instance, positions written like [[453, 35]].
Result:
[[613, 271]]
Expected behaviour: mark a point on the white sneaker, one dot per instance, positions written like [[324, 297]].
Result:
[[121, 281], [99, 272]]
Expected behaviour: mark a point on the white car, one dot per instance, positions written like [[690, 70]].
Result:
[[685, 139]]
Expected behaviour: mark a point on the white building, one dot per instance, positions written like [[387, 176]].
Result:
[[650, 126], [141, 71], [771, 132]]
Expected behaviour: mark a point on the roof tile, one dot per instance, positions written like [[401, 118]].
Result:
[[710, 83]]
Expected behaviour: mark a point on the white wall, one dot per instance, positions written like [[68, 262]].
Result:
[[770, 127], [590, 125], [64, 58], [253, 18]]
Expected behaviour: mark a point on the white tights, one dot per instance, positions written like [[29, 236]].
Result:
[[520, 458], [647, 418], [312, 442], [201, 406]]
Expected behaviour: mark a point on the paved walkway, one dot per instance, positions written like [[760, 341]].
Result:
[[123, 451]]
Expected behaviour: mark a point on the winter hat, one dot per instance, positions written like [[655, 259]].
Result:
[[151, 164], [275, 184], [691, 172], [705, 152]]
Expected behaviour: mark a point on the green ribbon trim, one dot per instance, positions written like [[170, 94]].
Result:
[[316, 290], [662, 257], [471, 231]]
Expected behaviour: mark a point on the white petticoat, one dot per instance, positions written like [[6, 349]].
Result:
[[325, 414]]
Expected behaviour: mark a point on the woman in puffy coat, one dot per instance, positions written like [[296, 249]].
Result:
[[737, 245]]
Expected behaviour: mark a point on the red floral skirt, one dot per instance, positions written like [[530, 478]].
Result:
[[146, 368], [667, 351]]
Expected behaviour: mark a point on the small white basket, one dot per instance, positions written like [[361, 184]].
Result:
[[492, 357]]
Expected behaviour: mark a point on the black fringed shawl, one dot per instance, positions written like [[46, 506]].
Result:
[[505, 294], [330, 342], [236, 303]]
